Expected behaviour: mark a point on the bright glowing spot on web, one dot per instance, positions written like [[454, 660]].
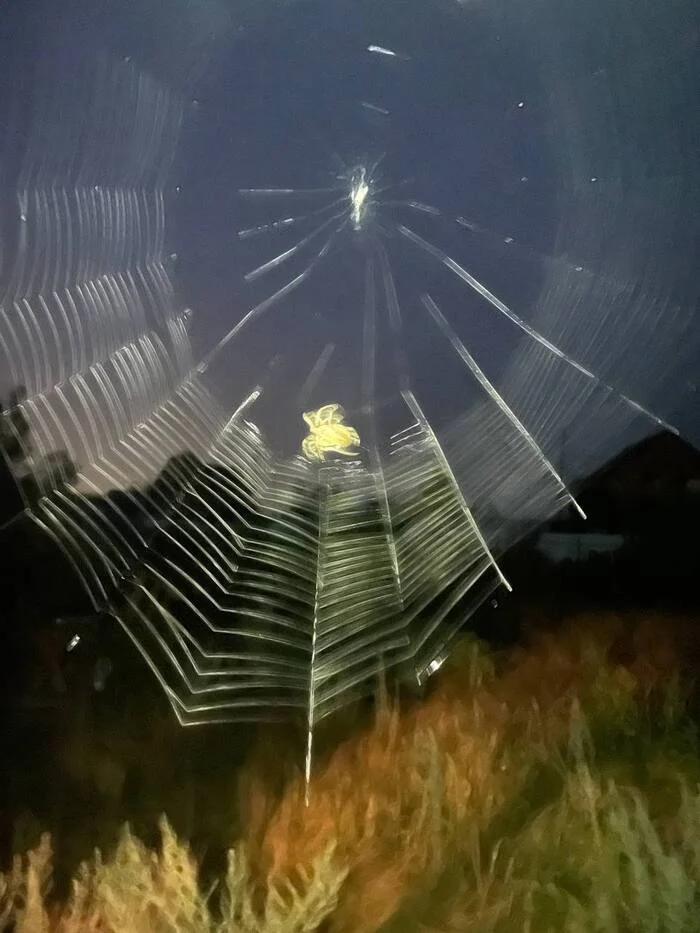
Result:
[[359, 192]]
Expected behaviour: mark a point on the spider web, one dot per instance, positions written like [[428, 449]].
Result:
[[260, 586], [254, 588]]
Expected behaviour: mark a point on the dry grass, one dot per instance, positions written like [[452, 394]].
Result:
[[143, 891], [553, 791]]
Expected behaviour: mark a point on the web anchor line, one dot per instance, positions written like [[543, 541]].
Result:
[[318, 593], [442, 257], [417, 412], [492, 392], [403, 373], [271, 300], [369, 362]]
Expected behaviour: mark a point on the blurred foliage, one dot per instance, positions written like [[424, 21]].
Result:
[[548, 787]]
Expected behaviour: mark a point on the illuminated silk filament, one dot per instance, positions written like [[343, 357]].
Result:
[[359, 194]]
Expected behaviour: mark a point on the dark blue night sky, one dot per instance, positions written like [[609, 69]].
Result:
[[567, 132]]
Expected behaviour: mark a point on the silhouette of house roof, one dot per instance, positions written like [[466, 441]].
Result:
[[660, 462]]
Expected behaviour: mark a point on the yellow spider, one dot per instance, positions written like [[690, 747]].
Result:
[[328, 434]]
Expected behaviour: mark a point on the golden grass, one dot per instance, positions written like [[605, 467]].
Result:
[[143, 891], [551, 790]]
